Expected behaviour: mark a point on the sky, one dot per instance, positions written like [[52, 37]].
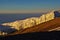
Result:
[[28, 6]]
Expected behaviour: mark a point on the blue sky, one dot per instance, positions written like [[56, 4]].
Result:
[[28, 5]]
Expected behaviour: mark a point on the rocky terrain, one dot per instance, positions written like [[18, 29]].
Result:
[[38, 32], [42, 27], [46, 22]]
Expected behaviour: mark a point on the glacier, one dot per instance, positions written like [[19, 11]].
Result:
[[30, 22]]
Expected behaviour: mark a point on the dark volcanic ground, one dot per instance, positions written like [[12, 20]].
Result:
[[34, 36]]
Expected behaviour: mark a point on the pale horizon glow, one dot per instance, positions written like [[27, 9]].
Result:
[[24, 11]]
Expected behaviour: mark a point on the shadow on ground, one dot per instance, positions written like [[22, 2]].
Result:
[[34, 36]]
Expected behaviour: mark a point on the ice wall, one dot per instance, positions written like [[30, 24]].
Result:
[[29, 22]]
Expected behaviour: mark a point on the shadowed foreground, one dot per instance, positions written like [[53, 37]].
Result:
[[34, 36]]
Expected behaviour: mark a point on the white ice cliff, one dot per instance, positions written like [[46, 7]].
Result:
[[29, 22]]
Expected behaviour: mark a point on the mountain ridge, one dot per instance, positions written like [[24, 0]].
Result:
[[29, 22], [41, 27], [33, 21]]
